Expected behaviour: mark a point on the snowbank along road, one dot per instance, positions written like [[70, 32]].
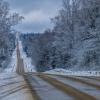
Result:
[[20, 81]]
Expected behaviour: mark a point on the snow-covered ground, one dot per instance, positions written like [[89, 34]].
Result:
[[27, 61], [13, 64], [60, 71]]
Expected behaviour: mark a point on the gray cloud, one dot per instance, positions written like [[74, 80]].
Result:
[[33, 27], [37, 13]]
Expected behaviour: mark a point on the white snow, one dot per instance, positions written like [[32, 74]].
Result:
[[13, 64], [60, 71]]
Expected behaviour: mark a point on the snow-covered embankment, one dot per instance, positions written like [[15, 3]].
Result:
[[60, 71]]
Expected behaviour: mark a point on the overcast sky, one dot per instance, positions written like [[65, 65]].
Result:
[[37, 13]]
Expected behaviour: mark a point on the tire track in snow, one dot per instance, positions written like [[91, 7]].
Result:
[[80, 85], [78, 95], [92, 78], [13, 87], [44, 90], [33, 92], [81, 81]]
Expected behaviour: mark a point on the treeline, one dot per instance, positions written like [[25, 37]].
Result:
[[7, 36], [74, 42], [38, 47]]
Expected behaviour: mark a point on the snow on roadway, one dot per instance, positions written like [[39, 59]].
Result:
[[80, 86], [46, 91], [13, 87]]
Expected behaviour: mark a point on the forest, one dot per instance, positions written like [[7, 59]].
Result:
[[74, 41]]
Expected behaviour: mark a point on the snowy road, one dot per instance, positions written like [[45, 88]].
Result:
[[20, 81], [53, 87], [38, 86], [14, 87]]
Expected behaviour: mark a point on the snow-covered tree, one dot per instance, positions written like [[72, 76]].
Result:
[[7, 40], [74, 42]]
